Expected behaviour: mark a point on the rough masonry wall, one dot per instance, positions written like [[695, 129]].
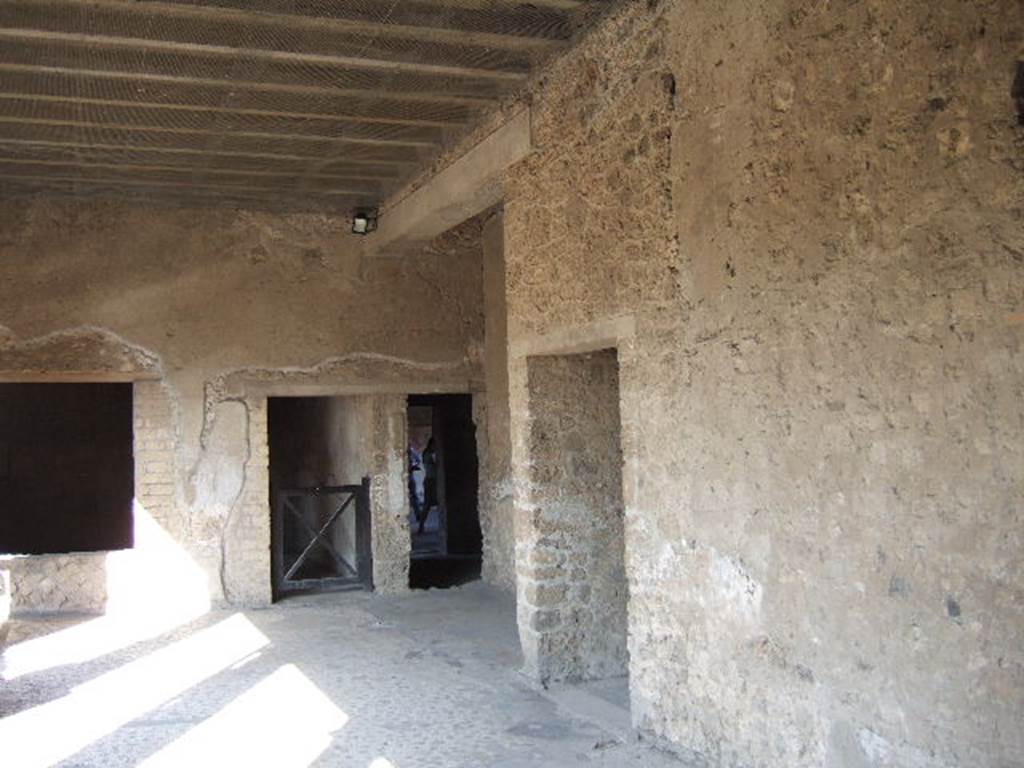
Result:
[[389, 495], [49, 583], [573, 598], [223, 306], [812, 216]]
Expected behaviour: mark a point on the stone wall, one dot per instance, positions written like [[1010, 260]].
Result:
[[572, 586], [800, 224], [75, 583], [389, 495], [216, 310]]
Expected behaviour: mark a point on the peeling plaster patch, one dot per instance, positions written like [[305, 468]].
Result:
[[217, 480], [876, 749], [738, 594], [353, 368], [844, 748], [218, 476], [85, 348], [666, 565]]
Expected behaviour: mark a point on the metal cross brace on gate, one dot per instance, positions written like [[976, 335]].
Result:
[[319, 538]]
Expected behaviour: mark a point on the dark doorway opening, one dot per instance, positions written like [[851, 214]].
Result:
[[444, 515], [320, 501], [67, 469]]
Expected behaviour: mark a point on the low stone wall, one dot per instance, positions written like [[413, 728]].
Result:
[[49, 583]]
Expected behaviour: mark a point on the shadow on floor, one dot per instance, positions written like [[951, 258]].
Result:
[[443, 572]]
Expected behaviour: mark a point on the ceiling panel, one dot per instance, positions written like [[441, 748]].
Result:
[[272, 104]]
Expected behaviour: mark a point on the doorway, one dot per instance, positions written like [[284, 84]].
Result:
[[444, 517], [319, 491]]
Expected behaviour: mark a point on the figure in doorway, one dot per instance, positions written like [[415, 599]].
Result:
[[416, 478], [429, 481]]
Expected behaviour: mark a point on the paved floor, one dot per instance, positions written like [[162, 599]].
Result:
[[427, 679]]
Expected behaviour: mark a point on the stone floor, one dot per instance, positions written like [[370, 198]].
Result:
[[426, 679]]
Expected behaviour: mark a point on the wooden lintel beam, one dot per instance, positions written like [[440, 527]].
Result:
[[75, 377]]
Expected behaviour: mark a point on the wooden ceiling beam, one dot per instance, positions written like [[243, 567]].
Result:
[[235, 86], [335, 24], [220, 110], [201, 152], [558, 5], [205, 132], [44, 179], [201, 169], [175, 47], [274, 202]]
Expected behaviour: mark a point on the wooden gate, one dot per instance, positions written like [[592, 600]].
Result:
[[322, 538]]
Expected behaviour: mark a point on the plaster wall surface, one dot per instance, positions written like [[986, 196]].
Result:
[[216, 310], [491, 413], [801, 226]]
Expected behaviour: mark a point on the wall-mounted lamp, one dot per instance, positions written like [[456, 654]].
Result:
[[364, 221]]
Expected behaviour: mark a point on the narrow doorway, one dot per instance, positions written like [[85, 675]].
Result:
[[319, 493], [579, 591], [444, 519]]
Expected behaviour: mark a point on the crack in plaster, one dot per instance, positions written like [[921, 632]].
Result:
[[233, 506]]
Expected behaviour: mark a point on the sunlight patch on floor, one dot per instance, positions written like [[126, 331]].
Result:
[[285, 721], [51, 732], [151, 589]]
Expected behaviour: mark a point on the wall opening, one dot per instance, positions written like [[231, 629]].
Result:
[[1017, 92], [319, 492], [444, 518], [574, 588], [67, 472]]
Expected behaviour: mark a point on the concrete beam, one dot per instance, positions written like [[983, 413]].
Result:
[[613, 332], [468, 186]]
